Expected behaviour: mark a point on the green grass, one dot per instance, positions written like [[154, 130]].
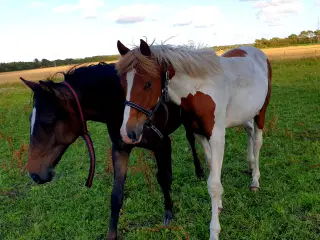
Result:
[[286, 207]]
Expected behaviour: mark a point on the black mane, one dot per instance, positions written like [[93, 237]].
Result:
[[82, 73], [101, 70], [95, 84]]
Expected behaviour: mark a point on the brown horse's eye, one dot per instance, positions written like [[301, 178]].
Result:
[[148, 86]]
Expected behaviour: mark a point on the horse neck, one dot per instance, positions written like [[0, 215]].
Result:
[[100, 98]]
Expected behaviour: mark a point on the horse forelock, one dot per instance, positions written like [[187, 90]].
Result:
[[134, 59]]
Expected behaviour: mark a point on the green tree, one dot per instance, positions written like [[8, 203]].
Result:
[[46, 63], [306, 35], [317, 35], [37, 62]]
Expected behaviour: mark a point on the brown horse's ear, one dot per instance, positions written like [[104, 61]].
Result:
[[123, 50], [144, 48], [45, 87], [32, 85], [49, 87]]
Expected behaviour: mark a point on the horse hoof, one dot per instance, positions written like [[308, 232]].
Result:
[[112, 236], [248, 171], [254, 189], [167, 218]]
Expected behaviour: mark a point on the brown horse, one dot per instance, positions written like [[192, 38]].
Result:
[[94, 92], [219, 92]]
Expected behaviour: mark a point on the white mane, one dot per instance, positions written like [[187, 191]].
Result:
[[190, 60]]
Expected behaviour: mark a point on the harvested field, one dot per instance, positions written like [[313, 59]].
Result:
[[290, 52]]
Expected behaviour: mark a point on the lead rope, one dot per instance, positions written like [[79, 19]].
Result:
[[86, 137]]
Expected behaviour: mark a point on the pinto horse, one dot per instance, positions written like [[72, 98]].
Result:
[[94, 92], [217, 92]]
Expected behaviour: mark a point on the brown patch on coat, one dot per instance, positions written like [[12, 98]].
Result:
[[237, 52], [261, 117], [201, 107]]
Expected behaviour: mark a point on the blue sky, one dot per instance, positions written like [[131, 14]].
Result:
[[81, 28]]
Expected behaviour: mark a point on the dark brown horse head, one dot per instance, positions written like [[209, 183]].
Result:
[[53, 127]]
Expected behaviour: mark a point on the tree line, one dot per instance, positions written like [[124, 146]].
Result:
[[305, 37], [36, 63]]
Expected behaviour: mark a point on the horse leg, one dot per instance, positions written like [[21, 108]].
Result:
[[207, 150], [197, 165], [250, 156], [205, 146], [215, 189], [120, 166], [258, 127], [164, 177]]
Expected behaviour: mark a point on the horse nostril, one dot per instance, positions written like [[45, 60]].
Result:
[[35, 177], [132, 135]]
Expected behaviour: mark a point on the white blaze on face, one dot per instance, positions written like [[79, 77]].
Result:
[[123, 130], [33, 119]]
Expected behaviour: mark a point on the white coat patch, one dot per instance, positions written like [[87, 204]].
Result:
[[33, 119]]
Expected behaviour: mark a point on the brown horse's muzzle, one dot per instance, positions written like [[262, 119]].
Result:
[[40, 166], [40, 179], [39, 170]]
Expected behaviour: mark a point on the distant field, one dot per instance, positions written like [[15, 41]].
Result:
[[286, 207], [273, 53], [33, 74], [290, 52], [294, 52]]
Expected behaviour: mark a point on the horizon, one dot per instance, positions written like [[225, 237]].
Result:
[[85, 28]]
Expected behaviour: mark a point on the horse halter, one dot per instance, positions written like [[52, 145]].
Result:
[[85, 135], [150, 113]]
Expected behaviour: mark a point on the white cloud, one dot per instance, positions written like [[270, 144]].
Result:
[[88, 8], [182, 24], [133, 13], [65, 8], [37, 4], [197, 16], [274, 12], [130, 19]]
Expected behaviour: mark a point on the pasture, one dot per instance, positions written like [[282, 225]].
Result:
[[286, 207]]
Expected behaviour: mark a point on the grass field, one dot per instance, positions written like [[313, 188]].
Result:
[[273, 53], [286, 207]]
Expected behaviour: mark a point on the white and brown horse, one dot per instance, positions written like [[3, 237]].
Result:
[[219, 92]]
